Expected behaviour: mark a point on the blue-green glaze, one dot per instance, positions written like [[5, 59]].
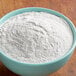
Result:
[[43, 69]]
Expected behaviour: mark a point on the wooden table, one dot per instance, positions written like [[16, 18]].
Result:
[[67, 7]]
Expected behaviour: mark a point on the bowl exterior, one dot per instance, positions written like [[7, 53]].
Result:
[[33, 70]]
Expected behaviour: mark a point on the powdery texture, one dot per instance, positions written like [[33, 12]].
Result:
[[35, 37]]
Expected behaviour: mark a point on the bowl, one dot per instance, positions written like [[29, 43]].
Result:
[[42, 69]]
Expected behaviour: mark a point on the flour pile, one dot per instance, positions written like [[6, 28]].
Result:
[[35, 37]]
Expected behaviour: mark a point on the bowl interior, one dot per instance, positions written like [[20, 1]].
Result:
[[38, 9]]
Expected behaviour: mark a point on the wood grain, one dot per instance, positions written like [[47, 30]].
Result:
[[67, 7]]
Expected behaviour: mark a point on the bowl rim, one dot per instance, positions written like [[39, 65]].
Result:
[[40, 9]]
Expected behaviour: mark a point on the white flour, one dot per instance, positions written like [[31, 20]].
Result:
[[35, 37]]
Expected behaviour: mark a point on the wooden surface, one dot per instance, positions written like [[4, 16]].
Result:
[[67, 7]]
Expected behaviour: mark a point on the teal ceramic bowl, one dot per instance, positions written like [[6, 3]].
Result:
[[25, 69]]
